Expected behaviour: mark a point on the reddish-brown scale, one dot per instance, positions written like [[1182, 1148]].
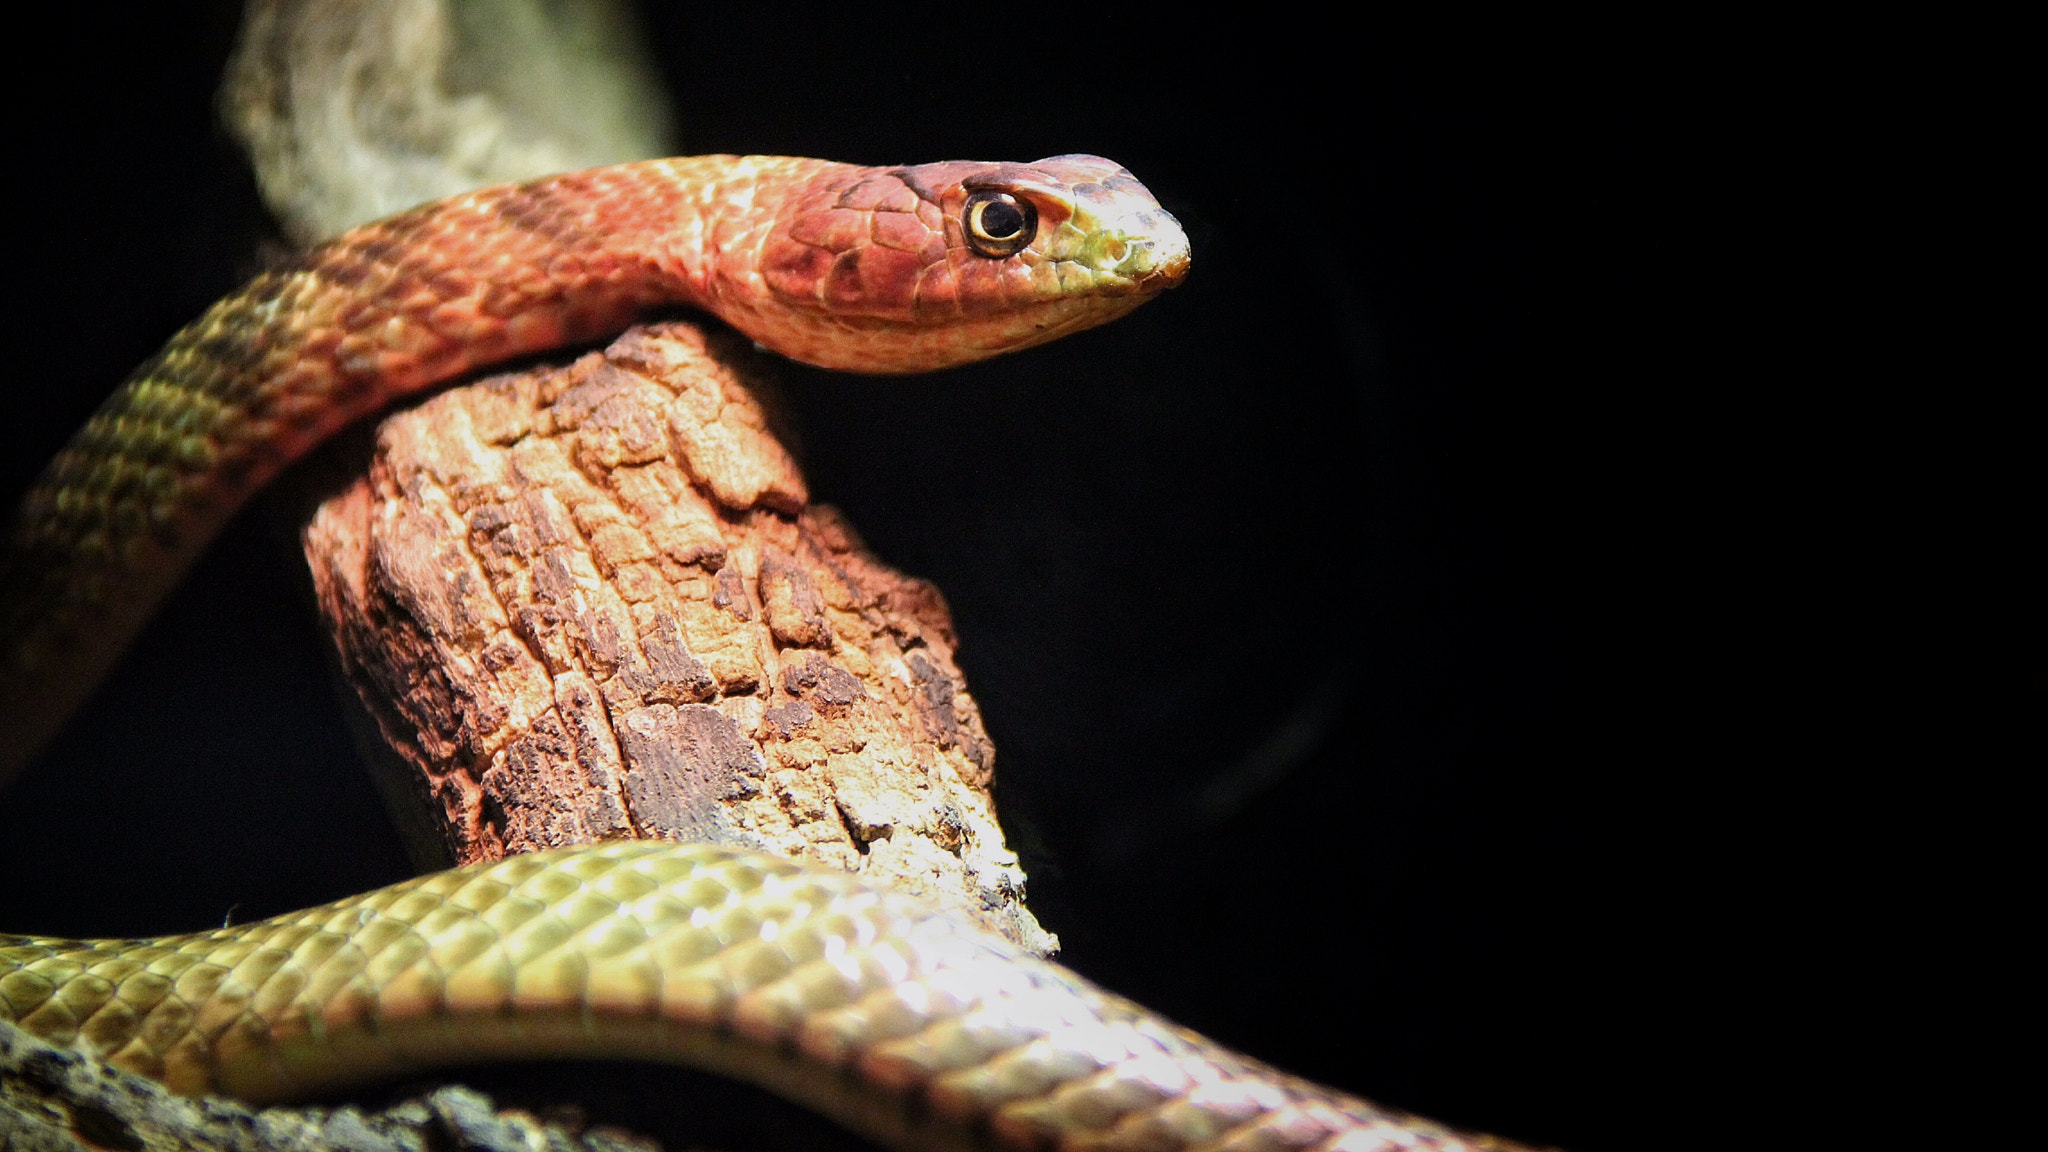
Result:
[[938, 293], [984, 287], [904, 232], [793, 268], [879, 193], [833, 229]]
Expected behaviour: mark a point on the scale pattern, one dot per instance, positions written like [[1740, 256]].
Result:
[[876, 1008]]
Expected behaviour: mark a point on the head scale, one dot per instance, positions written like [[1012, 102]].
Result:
[[921, 267]]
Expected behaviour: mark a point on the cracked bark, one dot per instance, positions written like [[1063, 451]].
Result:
[[593, 601]]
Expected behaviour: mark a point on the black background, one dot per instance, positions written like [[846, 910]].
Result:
[[1348, 620]]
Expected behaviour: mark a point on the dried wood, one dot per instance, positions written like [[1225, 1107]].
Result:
[[593, 601]]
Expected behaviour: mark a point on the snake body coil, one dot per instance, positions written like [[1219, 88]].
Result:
[[874, 1007]]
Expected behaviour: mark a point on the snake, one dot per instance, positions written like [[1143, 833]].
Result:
[[879, 1010]]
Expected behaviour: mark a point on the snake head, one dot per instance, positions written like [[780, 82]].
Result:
[[927, 266], [1097, 227]]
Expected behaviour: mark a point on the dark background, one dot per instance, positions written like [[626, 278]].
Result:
[[1351, 622]]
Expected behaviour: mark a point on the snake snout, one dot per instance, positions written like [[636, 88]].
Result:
[[1128, 236], [1160, 260], [1145, 264]]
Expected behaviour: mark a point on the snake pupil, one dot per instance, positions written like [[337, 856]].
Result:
[[1000, 221], [999, 224]]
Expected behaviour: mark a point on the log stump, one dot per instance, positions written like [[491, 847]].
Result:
[[594, 601]]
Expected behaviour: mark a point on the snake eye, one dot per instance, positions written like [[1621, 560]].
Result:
[[998, 224]]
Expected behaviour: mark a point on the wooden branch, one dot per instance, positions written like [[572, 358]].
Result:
[[593, 602]]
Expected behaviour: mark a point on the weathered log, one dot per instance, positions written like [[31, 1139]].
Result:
[[594, 601]]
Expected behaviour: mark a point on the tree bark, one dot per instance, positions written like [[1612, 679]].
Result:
[[594, 602]]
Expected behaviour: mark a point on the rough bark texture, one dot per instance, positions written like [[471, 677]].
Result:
[[593, 602]]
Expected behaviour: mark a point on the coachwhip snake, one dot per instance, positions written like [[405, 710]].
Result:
[[871, 1006]]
